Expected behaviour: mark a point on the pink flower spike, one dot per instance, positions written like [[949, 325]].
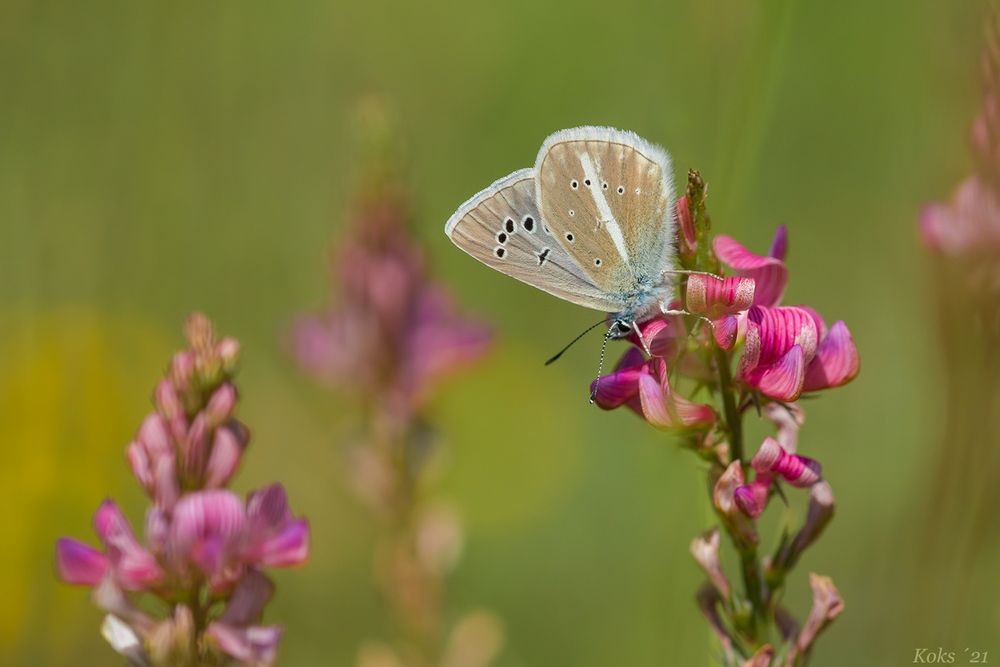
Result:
[[79, 563], [718, 297], [253, 645], [769, 273], [836, 362]]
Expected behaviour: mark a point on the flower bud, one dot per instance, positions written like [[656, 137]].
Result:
[[705, 550], [724, 498]]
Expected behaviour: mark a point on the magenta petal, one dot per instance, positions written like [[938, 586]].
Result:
[[725, 331], [784, 379], [752, 498], [779, 245], [836, 362], [255, 645], [717, 297], [665, 410], [783, 327], [769, 273], [289, 547], [79, 563], [617, 388]]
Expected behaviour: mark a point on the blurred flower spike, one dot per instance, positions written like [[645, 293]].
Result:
[[204, 547], [731, 348]]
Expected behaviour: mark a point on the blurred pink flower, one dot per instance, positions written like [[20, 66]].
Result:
[[203, 545], [391, 332]]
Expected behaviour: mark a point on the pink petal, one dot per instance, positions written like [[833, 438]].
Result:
[[268, 507], [781, 328], [784, 379], [227, 450], [665, 410], [660, 335], [617, 388], [796, 470], [788, 419], [752, 498], [134, 567], [717, 297], [688, 236], [154, 436], [221, 404], [726, 331], [248, 599], [779, 246], [202, 517], [769, 273], [836, 362], [79, 563], [255, 644], [288, 547]]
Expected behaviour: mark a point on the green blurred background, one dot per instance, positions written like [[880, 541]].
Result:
[[157, 158]]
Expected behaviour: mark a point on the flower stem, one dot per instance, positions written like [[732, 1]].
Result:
[[734, 422]]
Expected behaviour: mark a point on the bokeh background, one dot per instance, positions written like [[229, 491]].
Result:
[[157, 158]]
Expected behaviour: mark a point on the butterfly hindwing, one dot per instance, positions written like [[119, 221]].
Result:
[[607, 196], [502, 228]]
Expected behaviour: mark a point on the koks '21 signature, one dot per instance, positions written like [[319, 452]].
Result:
[[939, 656]]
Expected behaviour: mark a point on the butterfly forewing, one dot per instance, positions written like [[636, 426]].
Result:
[[607, 197], [502, 228]]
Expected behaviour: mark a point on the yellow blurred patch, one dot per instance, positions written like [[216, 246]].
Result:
[[75, 385]]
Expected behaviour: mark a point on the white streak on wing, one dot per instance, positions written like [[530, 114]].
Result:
[[607, 218]]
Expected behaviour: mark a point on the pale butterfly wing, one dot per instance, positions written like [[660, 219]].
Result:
[[502, 228], [607, 195]]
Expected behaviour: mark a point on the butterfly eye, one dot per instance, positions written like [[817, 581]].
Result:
[[622, 327]]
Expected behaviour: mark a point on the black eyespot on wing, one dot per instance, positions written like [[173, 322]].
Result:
[[569, 237], [528, 223], [621, 190], [509, 225], [542, 256], [587, 182], [573, 184], [500, 252], [501, 238], [597, 262]]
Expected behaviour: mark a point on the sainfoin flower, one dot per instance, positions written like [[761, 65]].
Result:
[[729, 349], [390, 332], [203, 545]]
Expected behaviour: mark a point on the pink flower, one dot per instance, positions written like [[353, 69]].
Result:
[[797, 470], [788, 350], [644, 387], [721, 300], [769, 272], [391, 333]]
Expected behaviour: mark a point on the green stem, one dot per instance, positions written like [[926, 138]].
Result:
[[734, 422]]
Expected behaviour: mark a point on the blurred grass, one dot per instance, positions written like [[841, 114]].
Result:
[[160, 158]]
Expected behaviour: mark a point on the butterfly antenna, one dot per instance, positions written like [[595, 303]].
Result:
[[570, 344], [600, 364]]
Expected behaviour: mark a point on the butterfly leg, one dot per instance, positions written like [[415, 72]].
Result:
[[685, 272], [638, 333]]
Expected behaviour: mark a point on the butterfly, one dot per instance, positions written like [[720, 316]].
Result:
[[591, 223]]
